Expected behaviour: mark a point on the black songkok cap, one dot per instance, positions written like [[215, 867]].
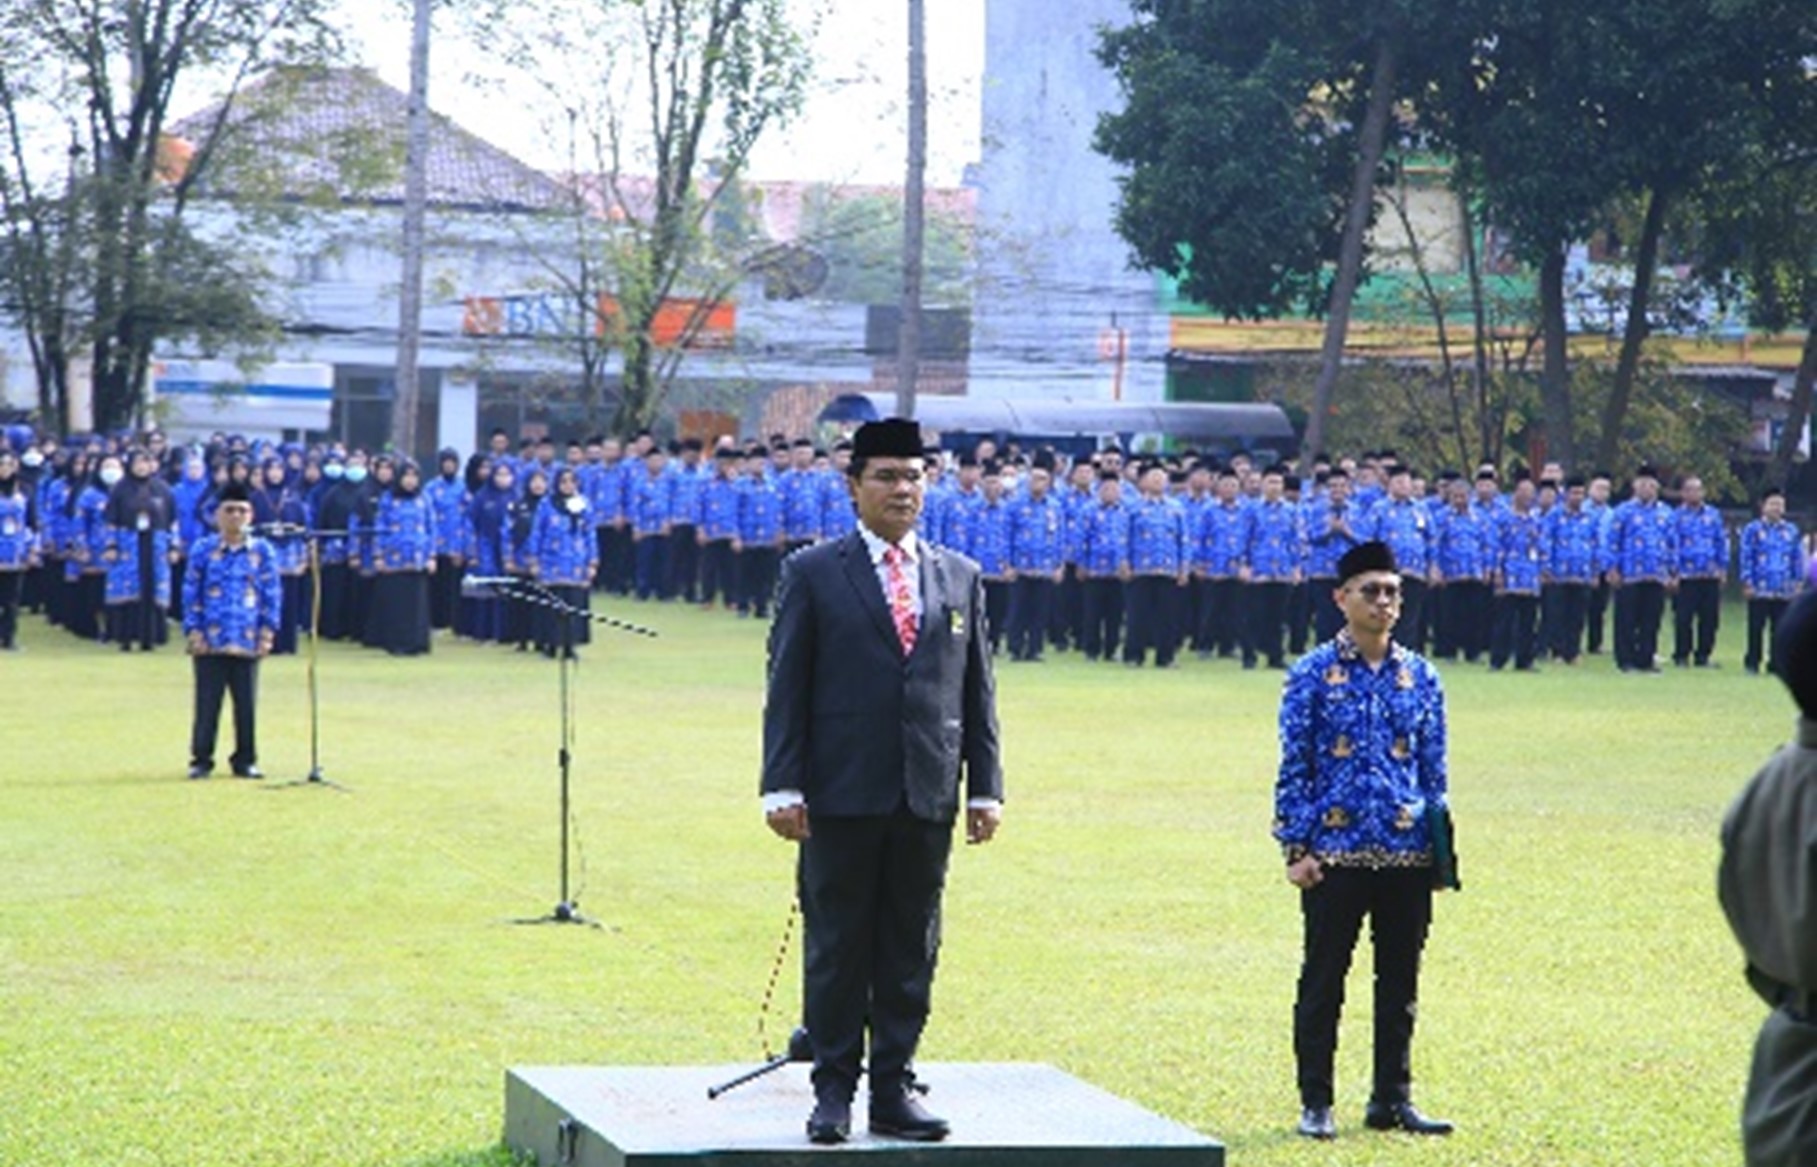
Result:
[[725, 453], [1374, 555], [1106, 474], [1795, 652], [1575, 481], [1044, 460], [1645, 470], [233, 492], [894, 437], [967, 459]]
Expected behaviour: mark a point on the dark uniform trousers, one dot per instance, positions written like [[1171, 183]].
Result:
[[1570, 603], [1593, 616], [757, 568], [1410, 629], [718, 573], [1031, 600], [1398, 902], [1327, 617], [1299, 616], [684, 561], [1763, 622], [1695, 612], [1265, 604], [1067, 624], [1150, 600], [870, 902], [1516, 630], [1224, 615], [1463, 619], [996, 610], [1103, 617], [652, 554], [11, 585], [1638, 608], [215, 677]]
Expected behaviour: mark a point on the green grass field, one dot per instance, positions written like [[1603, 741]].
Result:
[[216, 973]]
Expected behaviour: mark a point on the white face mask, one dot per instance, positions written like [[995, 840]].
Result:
[[333, 470], [111, 476], [576, 504], [32, 459], [356, 474]]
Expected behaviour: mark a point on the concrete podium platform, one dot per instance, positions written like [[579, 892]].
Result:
[[1003, 1115]]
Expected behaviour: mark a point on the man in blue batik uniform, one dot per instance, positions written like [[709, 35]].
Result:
[[716, 529], [1405, 524], [1274, 553], [1332, 521], [1519, 562], [231, 601], [1157, 569], [1772, 571], [1218, 557], [1362, 767], [1036, 526], [1104, 567], [1643, 565], [1703, 563], [1570, 551], [760, 539]]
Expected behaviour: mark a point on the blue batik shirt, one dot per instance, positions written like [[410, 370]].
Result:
[[990, 538], [1643, 541], [448, 504], [759, 513], [1570, 544], [962, 518], [1218, 542], [18, 542], [1104, 539], [1772, 559], [838, 514], [1703, 542], [1520, 552], [405, 539], [231, 595], [1463, 544], [1362, 757], [652, 502], [800, 490], [1036, 530], [1274, 542], [1406, 527], [1325, 546], [1157, 537], [1076, 503], [563, 550], [718, 518]]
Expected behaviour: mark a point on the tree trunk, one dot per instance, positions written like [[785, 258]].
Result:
[[1356, 226], [410, 294], [1555, 376], [1634, 334], [1799, 412], [914, 216]]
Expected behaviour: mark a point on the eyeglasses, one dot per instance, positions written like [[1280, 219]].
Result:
[[891, 478], [1377, 592]]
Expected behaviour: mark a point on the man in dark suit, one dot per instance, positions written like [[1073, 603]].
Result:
[[880, 694]]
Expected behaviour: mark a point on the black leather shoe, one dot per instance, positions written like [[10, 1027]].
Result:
[[1403, 1116], [248, 772], [1316, 1123], [200, 771], [898, 1114], [831, 1121]]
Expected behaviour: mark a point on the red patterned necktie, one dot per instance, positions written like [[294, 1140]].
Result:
[[902, 603]]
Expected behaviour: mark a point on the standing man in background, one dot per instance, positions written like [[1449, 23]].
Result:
[[880, 697], [231, 601], [1703, 563]]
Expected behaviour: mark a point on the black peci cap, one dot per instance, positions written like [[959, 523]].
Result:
[[1374, 555], [893, 437]]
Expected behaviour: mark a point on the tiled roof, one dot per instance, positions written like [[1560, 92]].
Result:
[[340, 133]]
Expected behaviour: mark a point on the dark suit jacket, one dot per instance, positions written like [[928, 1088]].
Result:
[[852, 723]]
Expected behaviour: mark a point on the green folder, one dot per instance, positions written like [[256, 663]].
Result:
[[1444, 848]]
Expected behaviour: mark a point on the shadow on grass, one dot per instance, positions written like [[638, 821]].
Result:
[[497, 1155]]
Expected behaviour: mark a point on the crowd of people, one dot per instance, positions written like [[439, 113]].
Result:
[[1121, 558]]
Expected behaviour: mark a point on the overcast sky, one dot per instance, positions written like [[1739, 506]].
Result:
[[853, 130]]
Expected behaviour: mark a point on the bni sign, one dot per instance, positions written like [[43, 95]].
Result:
[[677, 322]]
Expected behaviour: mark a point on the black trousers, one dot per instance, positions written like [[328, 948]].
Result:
[[684, 561], [615, 559], [1031, 599], [1639, 606], [1593, 616], [444, 593], [1410, 629], [1299, 616], [1327, 617], [1516, 630], [1224, 615], [1398, 902], [1151, 599], [10, 589], [996, 610], [1068, 624], [1103, 617], [757, 578], [718, 573], [870, 892], [1763, 622], [1696, 611], [1463, 619], [216, 676], [652, 554], [1265, 604], [1570, 603]]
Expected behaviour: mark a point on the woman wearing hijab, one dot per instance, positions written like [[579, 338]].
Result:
[[520, 527], [330, 516], [18, 547], [488, 549], [53, 501], [404, 562], [362, 555], [564, 556], [281, 519], [448, 499], [86, 543], [141, 525]]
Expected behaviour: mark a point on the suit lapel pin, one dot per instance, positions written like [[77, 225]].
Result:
[[956, 620]]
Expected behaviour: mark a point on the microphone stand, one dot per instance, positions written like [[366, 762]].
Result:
[[315, 777], [566, 909], [800, 1050]]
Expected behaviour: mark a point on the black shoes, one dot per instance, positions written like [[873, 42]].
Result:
[[1316, 1123], [896, 1113], [831, 1121], [200, 770], [248, 772], [1403, 1116]]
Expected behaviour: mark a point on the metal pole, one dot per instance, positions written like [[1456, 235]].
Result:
[[416, 197], [914, 215]]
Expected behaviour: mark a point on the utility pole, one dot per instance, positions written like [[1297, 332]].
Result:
[[914, 215], [416, 198]]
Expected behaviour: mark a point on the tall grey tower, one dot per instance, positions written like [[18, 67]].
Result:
[[1055, 284]]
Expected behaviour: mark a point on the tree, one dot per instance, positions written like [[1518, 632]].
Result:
[[665, 100], [98, 253]]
